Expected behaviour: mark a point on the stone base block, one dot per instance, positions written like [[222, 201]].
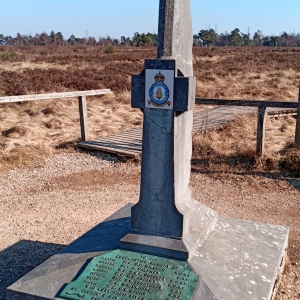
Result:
[[238, 260], [155, 245]]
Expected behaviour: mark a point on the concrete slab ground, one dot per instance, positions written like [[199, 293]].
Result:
[[242, 259], [239, 260]]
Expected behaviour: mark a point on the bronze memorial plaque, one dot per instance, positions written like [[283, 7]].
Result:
[[124, 275]]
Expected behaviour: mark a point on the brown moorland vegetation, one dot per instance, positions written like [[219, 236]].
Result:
[[233, 72], [31, 130], [234, 145]]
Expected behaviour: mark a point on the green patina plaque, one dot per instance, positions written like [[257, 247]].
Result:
[[124, 275]]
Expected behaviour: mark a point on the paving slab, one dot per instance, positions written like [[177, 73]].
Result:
[[242, 259], [239, 260]]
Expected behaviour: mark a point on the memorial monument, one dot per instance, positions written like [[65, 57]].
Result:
[[168, 245]]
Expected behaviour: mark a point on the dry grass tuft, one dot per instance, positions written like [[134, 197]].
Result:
[[235, 146], [236, 138], [14, 132], [31, 112], [48, 111], [290, 160]]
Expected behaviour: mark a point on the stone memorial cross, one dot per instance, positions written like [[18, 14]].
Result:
[[165, 91]]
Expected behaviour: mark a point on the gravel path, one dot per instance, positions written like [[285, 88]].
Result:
[[46, 208]]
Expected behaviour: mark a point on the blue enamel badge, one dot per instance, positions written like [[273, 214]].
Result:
[[159, 92]]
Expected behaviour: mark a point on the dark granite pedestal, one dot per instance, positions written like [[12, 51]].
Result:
[[238, 260]]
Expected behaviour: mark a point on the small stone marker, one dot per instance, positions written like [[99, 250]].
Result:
[[128, 275]]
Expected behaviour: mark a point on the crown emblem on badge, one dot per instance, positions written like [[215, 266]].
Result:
[[159, 77]]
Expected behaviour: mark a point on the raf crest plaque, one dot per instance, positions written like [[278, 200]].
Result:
[[159, 89], [124, 275]]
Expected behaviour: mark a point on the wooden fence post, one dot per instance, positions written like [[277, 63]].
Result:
[[297, 135], [261, 124], [83, 118]]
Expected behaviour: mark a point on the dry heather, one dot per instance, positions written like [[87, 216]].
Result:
[[247, 73], [30, 131], [235, 145], [33, 130]]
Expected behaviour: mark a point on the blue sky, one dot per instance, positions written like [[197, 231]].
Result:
[[121, 17]]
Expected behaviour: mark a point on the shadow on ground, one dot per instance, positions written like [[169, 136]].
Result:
[[295, 183], [20, 258]]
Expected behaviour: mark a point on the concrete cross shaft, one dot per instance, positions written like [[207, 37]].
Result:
[[167, 140], [175, 34]]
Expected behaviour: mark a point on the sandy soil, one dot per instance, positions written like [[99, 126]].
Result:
[[45, 208]]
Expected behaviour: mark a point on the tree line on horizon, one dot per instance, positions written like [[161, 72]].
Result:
[[205, 38]]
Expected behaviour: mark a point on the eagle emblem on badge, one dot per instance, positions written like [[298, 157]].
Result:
[[159, 93]]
